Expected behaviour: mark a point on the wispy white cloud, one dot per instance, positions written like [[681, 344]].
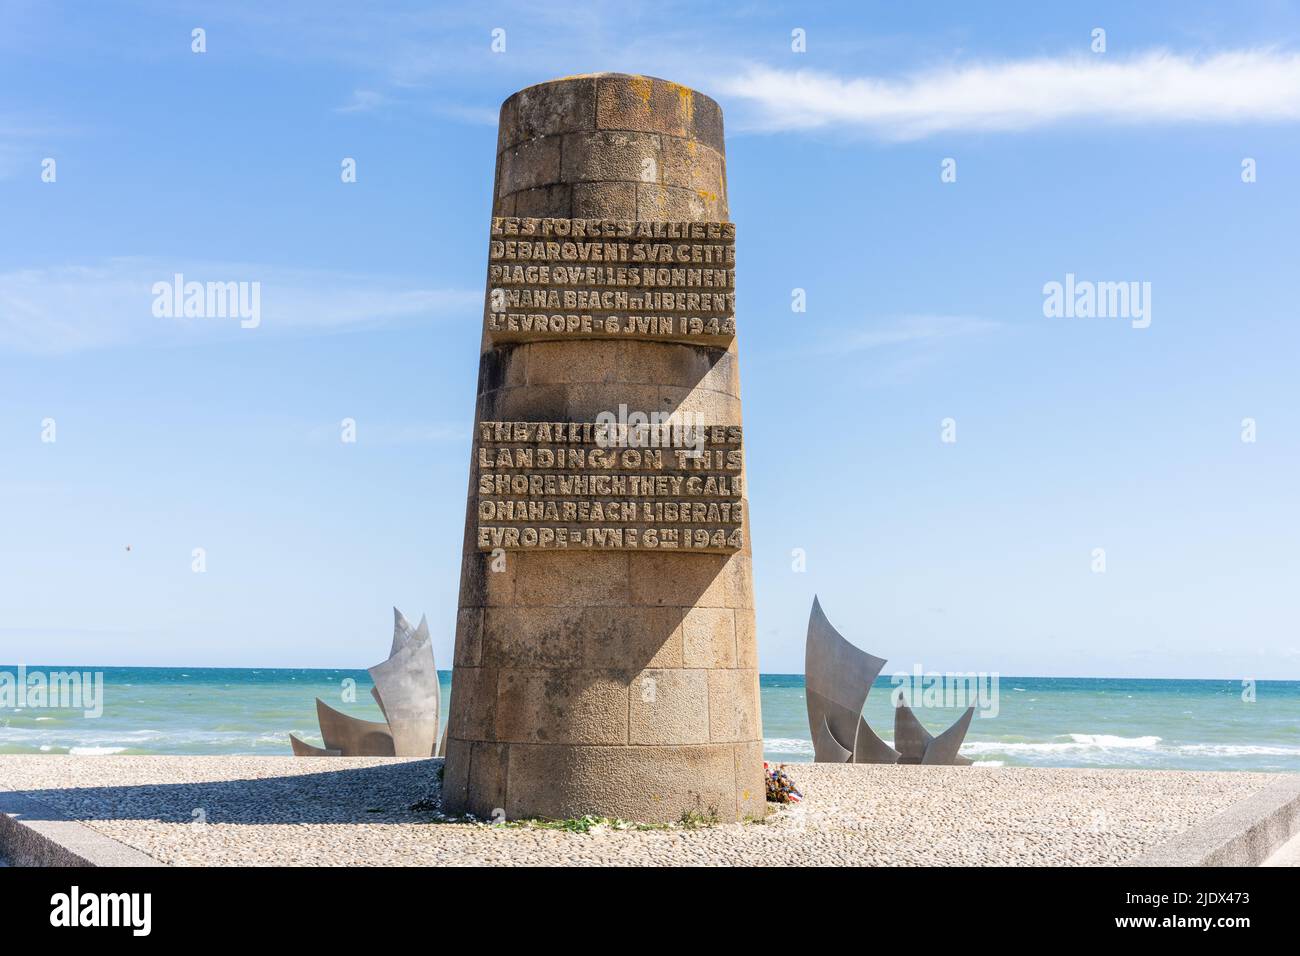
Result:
[[1260, 85], [78, 307]]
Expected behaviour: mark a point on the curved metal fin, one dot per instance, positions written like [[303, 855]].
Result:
[[869, 748], [351, 736], [837, 678], [303, 749], [942, 750], [407, 684], [402, 631], [910, 738], [826, 749]]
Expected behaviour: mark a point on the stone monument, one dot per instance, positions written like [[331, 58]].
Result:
[[605, 656]]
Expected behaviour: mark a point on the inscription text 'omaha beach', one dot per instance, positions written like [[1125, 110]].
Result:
[[591, 486], [611, 278]]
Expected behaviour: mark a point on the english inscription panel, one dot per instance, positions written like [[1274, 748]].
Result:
[[598, 486]]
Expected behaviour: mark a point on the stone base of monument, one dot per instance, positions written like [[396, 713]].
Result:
[[366, 810]]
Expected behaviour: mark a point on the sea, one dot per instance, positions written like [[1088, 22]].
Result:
[[1029, 722]]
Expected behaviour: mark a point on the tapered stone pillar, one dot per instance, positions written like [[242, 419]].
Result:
[[605, 651]]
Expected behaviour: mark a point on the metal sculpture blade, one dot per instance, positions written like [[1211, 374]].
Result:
[[408, 694], [826, 748], [910, 738], [406, 686], [351, 736], [838, 677], [869, 748], [303, 749], [943, 749], [918, 746], [402, 631]]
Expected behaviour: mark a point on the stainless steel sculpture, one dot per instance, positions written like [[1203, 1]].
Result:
[[837, 679], [406, 689], [407, 692], [351, 736], [303, 749], [916, 745]]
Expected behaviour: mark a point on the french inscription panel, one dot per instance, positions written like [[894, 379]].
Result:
[[611, 278], [592, 486]]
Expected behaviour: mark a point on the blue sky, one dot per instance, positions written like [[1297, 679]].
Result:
[[925, 302]]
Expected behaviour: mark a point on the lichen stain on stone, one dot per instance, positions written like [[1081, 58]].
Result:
[[685, 102], [642, 87]]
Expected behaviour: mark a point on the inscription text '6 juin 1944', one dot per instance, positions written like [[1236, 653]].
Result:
[[585, 485]]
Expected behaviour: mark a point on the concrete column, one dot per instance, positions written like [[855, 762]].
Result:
[[616, 683]]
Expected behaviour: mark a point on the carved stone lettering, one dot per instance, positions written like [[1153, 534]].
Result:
[[611, 278], [591, 486]]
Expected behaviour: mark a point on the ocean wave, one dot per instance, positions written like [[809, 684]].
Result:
[[1239, 750], [1076, 743], [95, 751], [1111, 742], [788, 745]]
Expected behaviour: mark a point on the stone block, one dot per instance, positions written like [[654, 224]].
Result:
[[650, 105], [709, 637], [535, 162], [655, 201], [751, 787], [665, 580], [612, 156], [651, 783], [628, 640], [733, 705], [746, 639], [473, 704], [532, 636], [504, 367], [661, 363], [669, 706], [455, 774], [547, 109], [488, 764], [551, 363], [692, 165], [555, 200], [480, 586], [469, 637], [604, 200], [571, 579], [706, 405], [561, 706]]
